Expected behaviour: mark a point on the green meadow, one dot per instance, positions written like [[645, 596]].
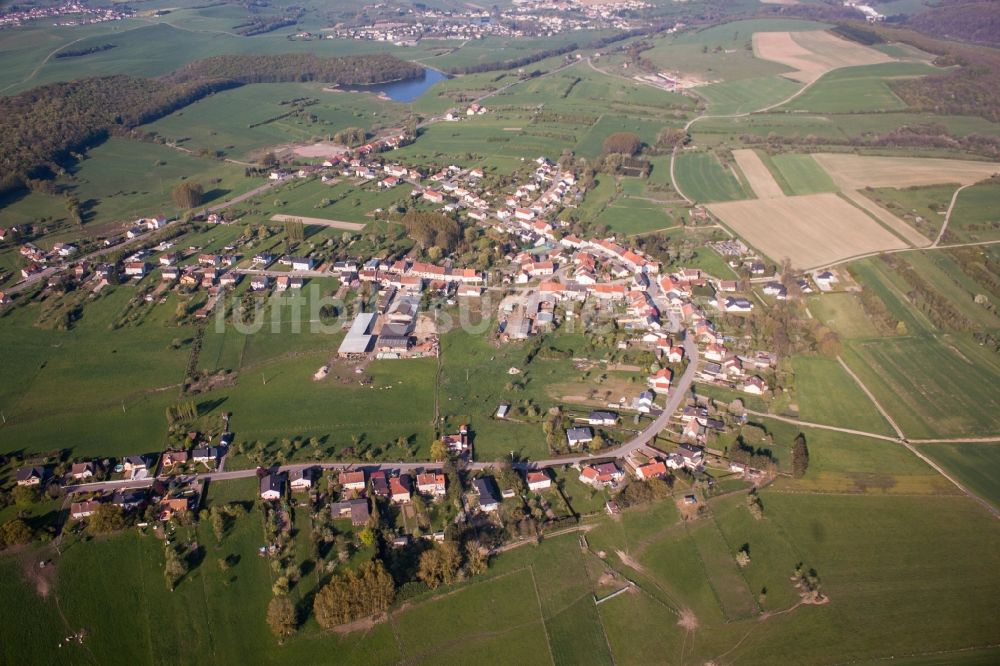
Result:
[[703, 178], [858, 89]]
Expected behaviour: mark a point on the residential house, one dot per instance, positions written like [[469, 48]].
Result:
[[400, 489], [206, 454], [380, 484], [539, 480], [652, 470], [604, 474], [170, 506], [660, 380], [171, 458], [82, 470], [694, 456], [30, 476], [644, 402], [357, 509], [486, 489], [431, 483], [599, 418], [577, 436], [754, 386], [85, 509], [301, 480], [272, 486]]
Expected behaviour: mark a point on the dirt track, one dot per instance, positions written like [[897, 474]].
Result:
[[320, 222]]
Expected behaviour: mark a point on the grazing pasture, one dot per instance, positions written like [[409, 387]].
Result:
[[810, 230], [812, 53]]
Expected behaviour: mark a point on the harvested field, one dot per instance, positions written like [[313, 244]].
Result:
[[912, 236], [811, 230], [757, 174], [320, 222], [812, 53], [855, 172], [321, 149]]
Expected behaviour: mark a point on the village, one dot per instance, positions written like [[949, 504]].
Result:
[[526, 18]]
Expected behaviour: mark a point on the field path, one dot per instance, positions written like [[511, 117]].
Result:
[[947, 216], [871, 396]]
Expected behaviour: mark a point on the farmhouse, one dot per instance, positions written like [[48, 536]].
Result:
[[358, 339]]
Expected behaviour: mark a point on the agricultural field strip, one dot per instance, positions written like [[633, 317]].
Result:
[[856, 172], [757, 174], [319, 222], [813, 53], [810, 230], [894, 223]]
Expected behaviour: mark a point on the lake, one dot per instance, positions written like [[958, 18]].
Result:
[[404, 91]]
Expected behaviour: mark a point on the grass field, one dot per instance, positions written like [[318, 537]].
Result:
[[974, 217], [634, 216], [799, 174], [745, 95], [921, 207], [973, 463], [932, 387], [858, 89], [827, 394], [121, 180], [843, 313], [223, 121], [703, 178]]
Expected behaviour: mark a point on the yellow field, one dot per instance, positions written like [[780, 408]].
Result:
[[812, 53], [811, 230], [757, 174], [854, 172]]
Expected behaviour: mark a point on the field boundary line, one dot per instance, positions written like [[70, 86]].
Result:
[[822, 426], [871, 396], [947, 215], [541, 613], [989, 507]]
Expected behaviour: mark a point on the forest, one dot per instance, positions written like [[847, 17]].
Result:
[[41, 128]]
